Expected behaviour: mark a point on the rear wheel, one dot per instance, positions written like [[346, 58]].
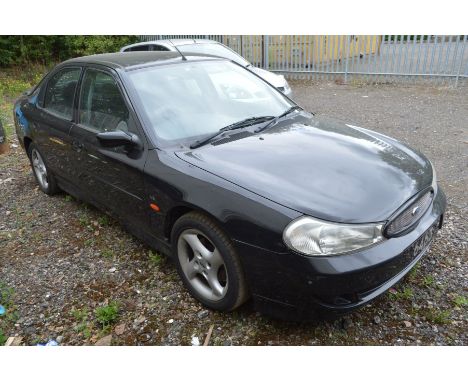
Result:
[[208, 263], [44, 177]]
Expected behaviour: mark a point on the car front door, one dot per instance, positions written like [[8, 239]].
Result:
[[111, 177], [53, 120]]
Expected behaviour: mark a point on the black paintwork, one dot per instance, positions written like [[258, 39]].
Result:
[[254, 185]]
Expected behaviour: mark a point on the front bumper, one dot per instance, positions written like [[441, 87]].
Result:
[[295, 287]]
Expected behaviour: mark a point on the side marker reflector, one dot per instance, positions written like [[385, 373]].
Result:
[[155, 207]]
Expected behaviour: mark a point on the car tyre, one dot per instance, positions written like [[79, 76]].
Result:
[[208, 263], [44, 176]]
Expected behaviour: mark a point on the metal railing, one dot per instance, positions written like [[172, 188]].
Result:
[[441, 60]]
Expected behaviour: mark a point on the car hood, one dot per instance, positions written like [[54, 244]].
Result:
[[322, 168], [276, 80]]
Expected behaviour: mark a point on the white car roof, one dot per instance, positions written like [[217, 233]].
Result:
[[170, 43]]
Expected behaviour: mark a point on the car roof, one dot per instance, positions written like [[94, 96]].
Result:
[[171, 42], [134, 60]]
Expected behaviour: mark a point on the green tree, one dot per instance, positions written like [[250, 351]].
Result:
[[19, 50]]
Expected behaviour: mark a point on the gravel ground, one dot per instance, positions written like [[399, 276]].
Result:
[[70, 273]]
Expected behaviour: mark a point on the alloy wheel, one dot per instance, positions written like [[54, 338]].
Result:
[[39, 169], [202, 264]]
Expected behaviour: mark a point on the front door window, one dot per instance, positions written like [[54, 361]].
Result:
[[102, 107]]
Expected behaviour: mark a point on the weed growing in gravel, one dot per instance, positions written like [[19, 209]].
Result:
[[84, 221], [107, 314], [155, 258], [107, 253], [81, 315], [428, 281], [460, 301], [413, 272], [2, 337], [6, 295], [437, 316], [405, 294], [84, 328], [68, 198], [103, 220], [89, 242]]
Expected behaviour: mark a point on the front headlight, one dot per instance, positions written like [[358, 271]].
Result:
[[315, 237], [434, 178]]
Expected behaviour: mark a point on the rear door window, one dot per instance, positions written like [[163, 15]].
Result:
[[60, 92]]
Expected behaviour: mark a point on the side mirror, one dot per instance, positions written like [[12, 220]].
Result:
[[119, 138]]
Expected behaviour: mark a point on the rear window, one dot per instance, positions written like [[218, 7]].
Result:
[[146, 48], [139, 48]]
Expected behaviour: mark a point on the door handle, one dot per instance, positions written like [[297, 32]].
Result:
[[77, 146]]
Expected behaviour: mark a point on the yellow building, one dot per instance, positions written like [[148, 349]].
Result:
[[299, 51]]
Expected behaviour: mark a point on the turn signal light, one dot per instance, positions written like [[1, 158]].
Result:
[[155, 207]]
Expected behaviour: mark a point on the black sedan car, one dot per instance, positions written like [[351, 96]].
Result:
[[250, 195]]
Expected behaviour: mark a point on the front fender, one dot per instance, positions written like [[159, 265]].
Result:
[[243, 215]]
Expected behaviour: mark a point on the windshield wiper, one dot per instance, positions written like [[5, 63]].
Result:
[[276, 119], [237, 125]]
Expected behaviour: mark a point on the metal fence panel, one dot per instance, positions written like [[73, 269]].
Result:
[[384, 58]]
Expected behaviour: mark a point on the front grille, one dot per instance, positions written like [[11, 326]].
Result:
[[410, 215]]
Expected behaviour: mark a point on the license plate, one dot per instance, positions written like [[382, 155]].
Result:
[[424, 242]]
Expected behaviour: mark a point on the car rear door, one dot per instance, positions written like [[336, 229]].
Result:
[[111, 177], [53, 120]]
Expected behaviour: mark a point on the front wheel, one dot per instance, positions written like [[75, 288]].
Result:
[[208, 263], [44, 177]]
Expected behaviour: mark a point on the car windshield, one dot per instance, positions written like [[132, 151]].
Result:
[[213, 49], [191, 100]]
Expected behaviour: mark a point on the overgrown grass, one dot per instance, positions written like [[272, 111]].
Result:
[[13, 82]]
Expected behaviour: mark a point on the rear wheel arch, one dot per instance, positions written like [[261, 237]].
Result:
[[44, 177]]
